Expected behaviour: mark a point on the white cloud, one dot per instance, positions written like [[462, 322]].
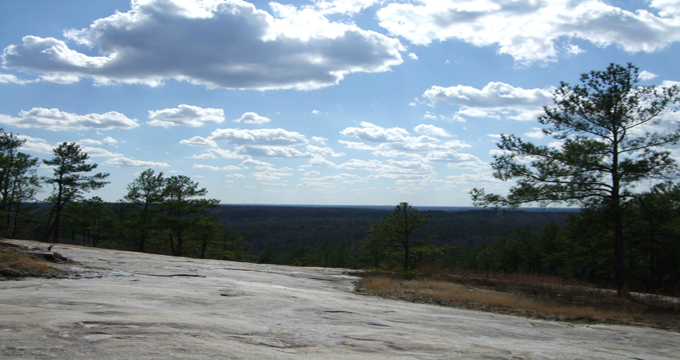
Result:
[[476, 112], [109, 141], [89, 142], [324, 151], [495, 100], [217, 43], [271, 151], [319, 184], [356, 145], [99, 152], [235, 176], [274, 137], [215, 153], [348, 7], [532, 31], [479, 178], [373, 133], [494, 95], [12, 79], [344, 178], [253, 143], [431, 130], [537, 133], [253, 162], [269, 175], [126, 162], [318, 161], [397, 142], [320, 140], [56, 120], [34, 144], [217, 168], [669, 8], [451, 156], [393, 169], [185, 115], [198, 141], [646, 75], [413, 56], [253, 118]]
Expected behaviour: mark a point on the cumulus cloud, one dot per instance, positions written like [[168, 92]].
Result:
[[217, 168], [431, 130], [109, 141], [344, 178], [198, 141], [12, 79], [356, 145], [34, 144], [56, 120], [253, 143], [494, 100], [253, 118], [253, 162], [272, 137], [397, 142], [89, 142], [668, 8], [320, 140], [493, 95], [215, 153], [537, 133], [269, 175], [478, 178], [325, 151], [319, 161], [342, 6], [271, 151], [532, 31], [392, 169], [185, 115], [646, 75], [127, 162], [451, 156], [373, 133], [106, 141], [99, 152], [219, 43]]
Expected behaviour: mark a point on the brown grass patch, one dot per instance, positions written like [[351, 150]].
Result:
[[16, 262], [542, 300]]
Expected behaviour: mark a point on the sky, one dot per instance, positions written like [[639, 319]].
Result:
[[345, 102]]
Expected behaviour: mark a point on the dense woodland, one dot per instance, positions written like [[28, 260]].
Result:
[[626, 237]]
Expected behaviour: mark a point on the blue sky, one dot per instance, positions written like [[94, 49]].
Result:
[[354, 102]]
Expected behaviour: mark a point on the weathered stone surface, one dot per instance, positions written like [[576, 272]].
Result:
[[138, 306]]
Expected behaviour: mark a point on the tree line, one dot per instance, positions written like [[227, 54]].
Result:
[[158, 214]]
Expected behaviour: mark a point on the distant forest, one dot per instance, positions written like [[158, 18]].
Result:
[[287, 227]]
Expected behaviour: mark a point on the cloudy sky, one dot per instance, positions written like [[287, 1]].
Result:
[[352, 102]]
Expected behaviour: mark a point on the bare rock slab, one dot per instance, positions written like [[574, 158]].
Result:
[[130, 305]]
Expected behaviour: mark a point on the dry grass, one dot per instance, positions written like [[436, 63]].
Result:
[[15, 262], [542, 300]]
